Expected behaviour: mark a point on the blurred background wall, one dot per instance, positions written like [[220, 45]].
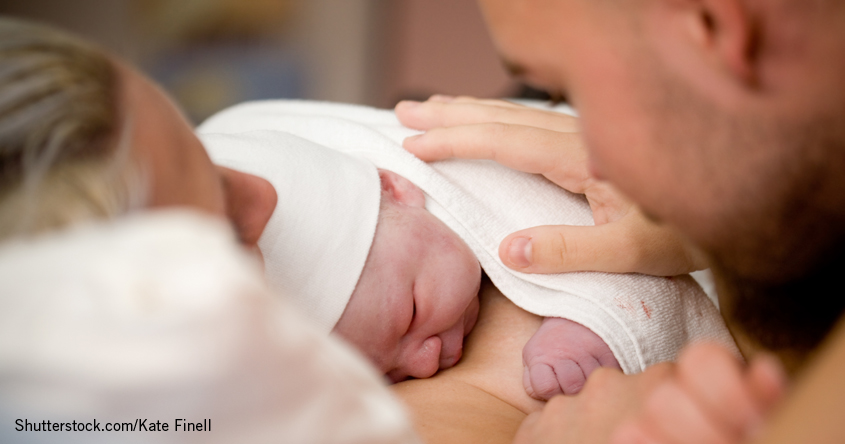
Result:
[[213, 53]]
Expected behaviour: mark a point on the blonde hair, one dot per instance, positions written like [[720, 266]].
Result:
[[64, 154]]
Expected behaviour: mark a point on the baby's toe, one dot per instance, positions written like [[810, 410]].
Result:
[[543, 382], [570, 376]]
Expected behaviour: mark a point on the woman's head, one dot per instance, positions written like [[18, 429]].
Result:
[[83, 136], [59, 127]]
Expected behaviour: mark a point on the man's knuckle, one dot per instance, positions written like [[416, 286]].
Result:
[[557, 404], [496, 130], [562, 250]]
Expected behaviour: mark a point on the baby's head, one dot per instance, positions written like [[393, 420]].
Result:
[[416, 298], [355, 249]]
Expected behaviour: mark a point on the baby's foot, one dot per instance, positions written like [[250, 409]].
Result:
[[560, 356]]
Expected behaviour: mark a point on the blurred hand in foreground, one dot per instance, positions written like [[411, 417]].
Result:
[[711, 398], [708, 396], [608, 399]]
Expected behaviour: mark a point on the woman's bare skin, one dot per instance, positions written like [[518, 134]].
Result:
[[481, 399]]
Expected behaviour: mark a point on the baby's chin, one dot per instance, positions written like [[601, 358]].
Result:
[[471, 317], [471, 313], [452, 360]]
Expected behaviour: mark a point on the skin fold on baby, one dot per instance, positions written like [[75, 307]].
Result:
[[417, 298]]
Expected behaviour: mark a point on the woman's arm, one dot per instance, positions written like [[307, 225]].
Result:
[[482, 398]]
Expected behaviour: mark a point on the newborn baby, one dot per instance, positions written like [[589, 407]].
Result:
[[415, 290], [417, 299], [389, 258]]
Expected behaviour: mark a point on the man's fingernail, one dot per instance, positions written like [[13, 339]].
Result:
[[441, 98], [520, 251]]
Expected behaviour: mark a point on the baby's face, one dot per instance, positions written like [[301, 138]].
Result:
[[418, 293]]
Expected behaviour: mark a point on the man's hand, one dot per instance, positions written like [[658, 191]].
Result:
[[711, 398], [548, 143], [608, 399], [707, 397], [560, 357]]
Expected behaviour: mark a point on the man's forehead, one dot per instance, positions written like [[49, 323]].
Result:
[[526, 31], [547, 21], [526, 10]]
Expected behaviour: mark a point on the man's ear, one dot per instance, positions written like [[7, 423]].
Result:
[[401, 189], [720, 33]]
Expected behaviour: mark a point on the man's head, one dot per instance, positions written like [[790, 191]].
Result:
[[417, 296], [724, 118], [83, 136]]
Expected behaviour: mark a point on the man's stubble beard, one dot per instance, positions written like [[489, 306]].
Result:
[[783, 289], [776, 239]]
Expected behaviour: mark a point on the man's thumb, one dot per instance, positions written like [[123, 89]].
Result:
[[562, 248]]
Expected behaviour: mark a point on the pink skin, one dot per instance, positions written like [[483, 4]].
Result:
[[560, 356], [710, 396], [418, 294]]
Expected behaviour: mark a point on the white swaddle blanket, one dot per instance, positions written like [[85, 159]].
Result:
[[643, 319]]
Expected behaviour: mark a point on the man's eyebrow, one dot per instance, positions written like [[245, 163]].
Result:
[[513, 68], [519, 72]]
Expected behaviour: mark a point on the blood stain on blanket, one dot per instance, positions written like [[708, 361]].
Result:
[[646, 310]]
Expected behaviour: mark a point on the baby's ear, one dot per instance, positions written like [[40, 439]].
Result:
[[401, 189]]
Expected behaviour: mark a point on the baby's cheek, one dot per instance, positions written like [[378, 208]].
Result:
[[471, 317], [463, 265], [349, 329]]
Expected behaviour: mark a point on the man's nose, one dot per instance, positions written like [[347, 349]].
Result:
[[250, 202]]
